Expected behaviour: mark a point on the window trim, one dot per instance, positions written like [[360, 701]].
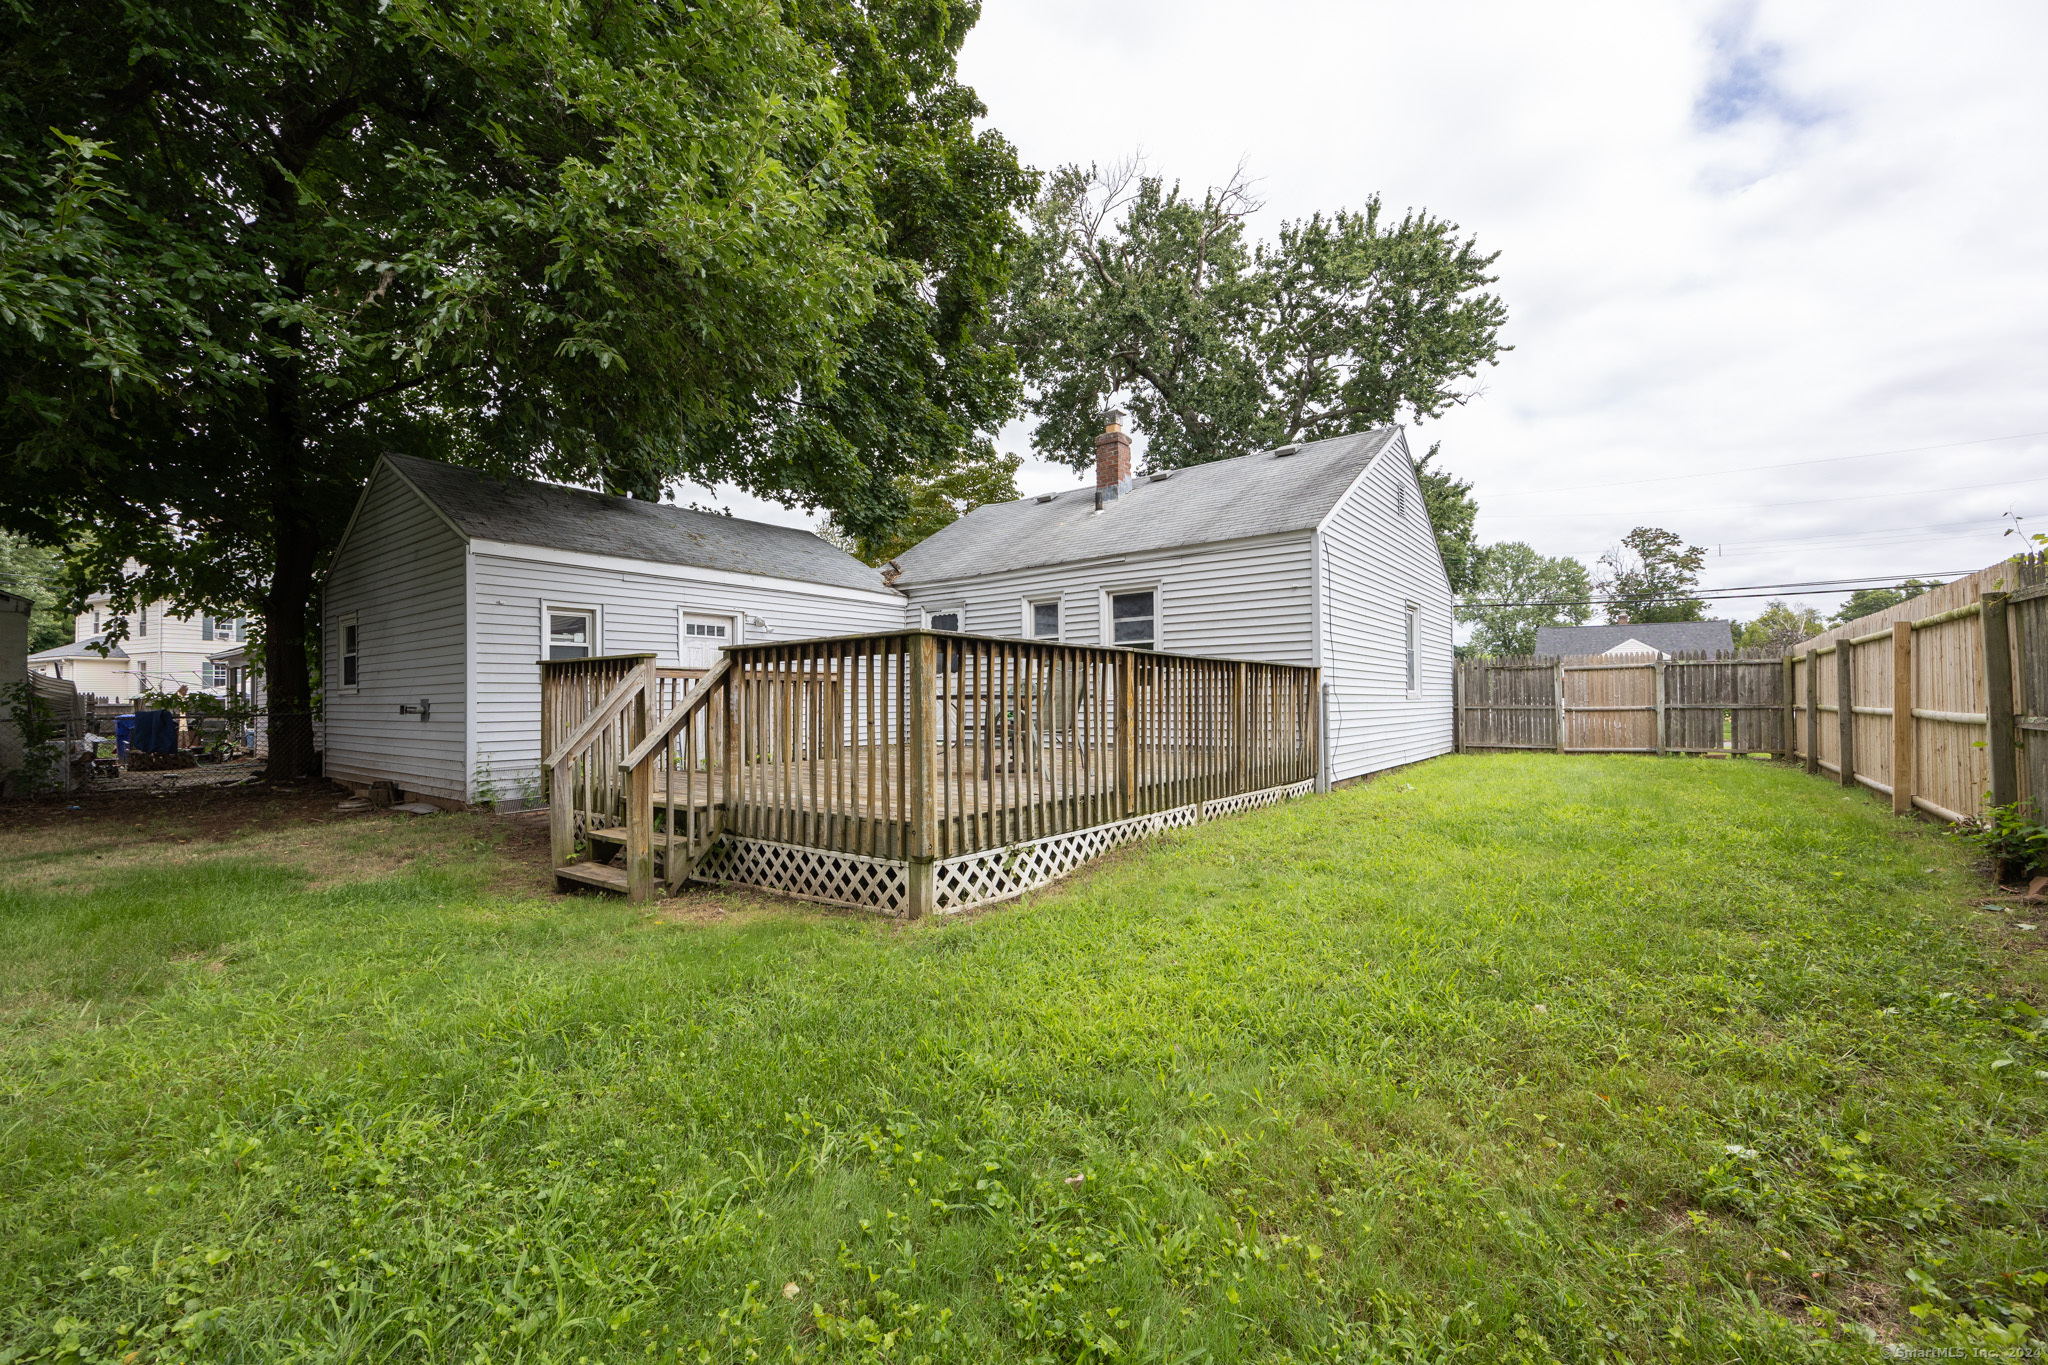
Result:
[[1029, 617], [344, 623], [1412, 651], [596, 614], [930, 610], [1106, 632]]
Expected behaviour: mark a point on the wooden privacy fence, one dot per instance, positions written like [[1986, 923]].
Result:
[[1622, 704], [910, 771], [1933, 702]]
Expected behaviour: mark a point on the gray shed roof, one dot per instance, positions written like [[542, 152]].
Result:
[[1669, 637], [1252, 495], [551, 517], [80, 649]]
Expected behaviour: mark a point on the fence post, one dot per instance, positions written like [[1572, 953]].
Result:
[[1457, 706], [924, 676], [1845, 687], [1998, 710], [1662, 729], [1812, 712], [1557, 697], [1902, 717], [1789, 731]]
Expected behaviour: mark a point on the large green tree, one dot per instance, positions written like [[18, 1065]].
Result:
[[1780, 626], [1453, 515], [1652, 575], [613, 243], [1133, 293], [1516, 591], [1869, 601]]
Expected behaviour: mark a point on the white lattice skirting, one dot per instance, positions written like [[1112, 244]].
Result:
[[812, 874], [995, 874]]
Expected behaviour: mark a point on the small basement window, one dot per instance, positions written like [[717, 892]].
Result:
[[569, 632], [351, 652], [1045, 620], [945, 618], [1134, 619]]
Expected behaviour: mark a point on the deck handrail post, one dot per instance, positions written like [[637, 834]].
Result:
[[1998, 707], [1240, 726], [640, 788], [924, 834], [1126, 734], [1845, 690], [1902, 717]]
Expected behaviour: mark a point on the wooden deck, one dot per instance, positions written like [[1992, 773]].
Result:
[[915, 749]]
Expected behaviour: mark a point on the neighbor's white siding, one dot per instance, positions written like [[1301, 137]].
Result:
[[1375, 560], [638, 613], [400, 571], [1243, 599]]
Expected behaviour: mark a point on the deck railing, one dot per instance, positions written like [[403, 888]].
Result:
[[911, 748]]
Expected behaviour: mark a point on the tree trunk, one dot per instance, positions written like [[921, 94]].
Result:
[[293, 549]]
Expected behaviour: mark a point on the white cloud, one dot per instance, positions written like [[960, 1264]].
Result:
[[1730, 236]]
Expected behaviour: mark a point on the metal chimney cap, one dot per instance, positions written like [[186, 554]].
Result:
[[1111, 417]]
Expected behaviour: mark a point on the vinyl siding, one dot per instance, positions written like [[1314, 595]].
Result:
[[637, 613], [1246, 599], [401, 572], [1375, 561]]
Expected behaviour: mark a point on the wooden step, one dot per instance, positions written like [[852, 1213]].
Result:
[[603, 876]]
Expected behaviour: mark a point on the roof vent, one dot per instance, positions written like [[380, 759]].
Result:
[[1047, 497], [1161, 476], [1284, 451]]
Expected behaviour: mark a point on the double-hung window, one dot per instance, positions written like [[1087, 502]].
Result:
[[351, 652], [1043, 619], [1134, 619], [569, 632]]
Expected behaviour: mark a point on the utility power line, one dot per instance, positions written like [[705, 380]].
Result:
[[1820, 587], [1627, 513]]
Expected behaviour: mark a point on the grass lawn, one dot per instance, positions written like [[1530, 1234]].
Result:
[[1495, 1059]]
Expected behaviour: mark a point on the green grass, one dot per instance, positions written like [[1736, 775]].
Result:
[[1495, 1059]]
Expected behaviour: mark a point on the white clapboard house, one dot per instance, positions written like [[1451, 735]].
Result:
[[1318, 555], [448, 585]]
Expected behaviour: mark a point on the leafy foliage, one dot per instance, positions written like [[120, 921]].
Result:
[[1651, 576], [1867, 601], [932, 504], [2012, 835], [1130, 293], [1511, 577], [33, 571], [612, 244], [1780, 626], [1452, 512]]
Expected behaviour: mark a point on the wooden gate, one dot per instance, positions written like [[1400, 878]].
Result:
[[1624, 704]]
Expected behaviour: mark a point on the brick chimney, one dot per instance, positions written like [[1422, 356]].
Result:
[[1112, 458]]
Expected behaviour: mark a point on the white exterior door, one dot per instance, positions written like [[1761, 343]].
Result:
[[702, 638]]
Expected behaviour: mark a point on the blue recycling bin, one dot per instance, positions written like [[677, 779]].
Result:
[[124, 734]]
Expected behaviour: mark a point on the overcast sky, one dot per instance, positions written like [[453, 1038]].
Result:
[[1737, 242]]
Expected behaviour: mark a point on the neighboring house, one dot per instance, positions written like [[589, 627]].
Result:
[[162, 653], [1319, 554], [448, 584], [1648, 637]]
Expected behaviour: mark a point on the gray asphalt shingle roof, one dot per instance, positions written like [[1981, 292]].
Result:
[[80, 649], [549, 516], [1251, 495], [1669, 637]]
